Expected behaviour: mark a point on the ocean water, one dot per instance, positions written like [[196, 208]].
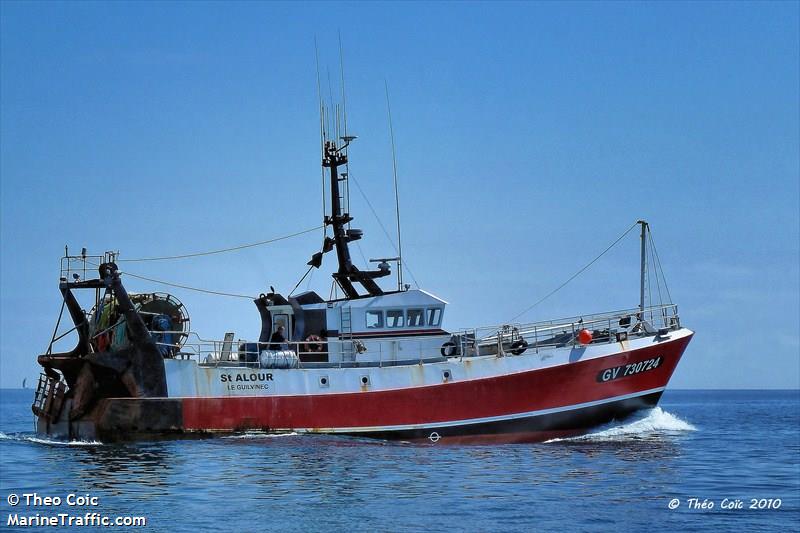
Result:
[[713, 446]]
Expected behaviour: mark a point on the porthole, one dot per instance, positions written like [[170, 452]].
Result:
[[323, 381]]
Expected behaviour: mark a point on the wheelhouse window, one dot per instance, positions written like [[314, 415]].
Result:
[[374, 319], [395, 318], [416, 318], [279, 320], [434, 316]]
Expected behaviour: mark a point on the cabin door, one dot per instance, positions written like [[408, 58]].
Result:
[[282, 319]]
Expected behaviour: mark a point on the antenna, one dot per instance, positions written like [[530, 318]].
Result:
[[335, 142], [341, 70], [396, 194], [321, 134], [344, 135], [319, 94], [332, 122]]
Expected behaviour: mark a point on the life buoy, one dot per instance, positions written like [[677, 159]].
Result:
[[449, 349], [314, 343], [519, 347]]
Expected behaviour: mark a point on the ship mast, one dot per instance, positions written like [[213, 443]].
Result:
[[335, 141], [348, 274], [643, 268]]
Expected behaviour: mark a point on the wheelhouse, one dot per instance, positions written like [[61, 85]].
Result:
[[354, 330]]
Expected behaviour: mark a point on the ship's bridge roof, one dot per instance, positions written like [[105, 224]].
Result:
[[409, 298]]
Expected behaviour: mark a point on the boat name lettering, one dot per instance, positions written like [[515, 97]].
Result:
[[617, 372], [249, 386], [255, 376]]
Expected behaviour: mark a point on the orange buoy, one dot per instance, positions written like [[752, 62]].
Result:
[[585, 336]]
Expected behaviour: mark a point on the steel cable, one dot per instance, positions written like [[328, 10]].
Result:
[[223, 250], [578, 273]]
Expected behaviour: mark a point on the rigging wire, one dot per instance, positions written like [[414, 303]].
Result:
[[649, 289], [301, 280], [308, 283], [578, 273], [223, 250], [55, 330], [321, 136], [658, 262], [188, 288], [396, 194], [363, 257], [655, 271], [310, 269], [385, 231], [178, 285]]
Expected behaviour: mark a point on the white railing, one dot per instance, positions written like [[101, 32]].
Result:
[[605, 327], [356, 352], [82, 266], [503, 340]]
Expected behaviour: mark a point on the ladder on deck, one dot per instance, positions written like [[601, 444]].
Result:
[[227, 347], [346, 333], [49, 398]]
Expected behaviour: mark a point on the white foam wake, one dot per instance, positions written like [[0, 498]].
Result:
[[22, 437], [259, 435], [655, 422]]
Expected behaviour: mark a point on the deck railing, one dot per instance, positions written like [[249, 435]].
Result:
[[608, 327], [74, 267], [502, 340]]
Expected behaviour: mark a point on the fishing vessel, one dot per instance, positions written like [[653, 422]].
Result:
[[367, 361]]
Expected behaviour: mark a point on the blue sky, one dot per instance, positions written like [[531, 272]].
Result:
[[529, 136]]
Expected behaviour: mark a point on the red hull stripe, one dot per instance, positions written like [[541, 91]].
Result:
[[500, 418], [529, 429], [501, 396]]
